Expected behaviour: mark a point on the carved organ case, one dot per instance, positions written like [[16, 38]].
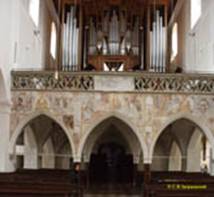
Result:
[[113, 42], [113, 35]]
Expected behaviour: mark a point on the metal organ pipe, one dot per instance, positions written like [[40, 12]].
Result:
[[158, 44], [114, 35], [142, 49], [92, 38], [164, 49], [67, 41], [151, 51], [70, 41], [161, 44], [85, 48], [73, 39], [63, 46], [153, 47]]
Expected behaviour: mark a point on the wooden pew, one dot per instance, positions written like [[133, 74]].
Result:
[[38, 183]]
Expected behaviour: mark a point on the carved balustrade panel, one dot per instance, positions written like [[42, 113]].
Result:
[[51, 81], [175, 83]]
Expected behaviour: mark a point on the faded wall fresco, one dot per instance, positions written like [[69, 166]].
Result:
[[147, 114]]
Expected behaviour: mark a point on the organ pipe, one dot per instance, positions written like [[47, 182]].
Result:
[[114, 37], [157, 44], [142, 49], [157, 63], [70, 40], [161, 44], [85, 47], [92, 38]]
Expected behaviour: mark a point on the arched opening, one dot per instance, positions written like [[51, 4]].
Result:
[[43, 143], [198, 153], [112, 153], [181, 144]]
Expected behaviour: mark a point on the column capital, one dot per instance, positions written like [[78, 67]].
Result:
[[77, 159]]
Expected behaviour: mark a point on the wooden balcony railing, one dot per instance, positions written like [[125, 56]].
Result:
[[113, 81], [46, 81]]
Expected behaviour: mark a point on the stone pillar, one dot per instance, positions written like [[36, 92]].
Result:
[[48, 158], [30, 149], [212, 163], [6, 164], [136, 162], [184, 164]]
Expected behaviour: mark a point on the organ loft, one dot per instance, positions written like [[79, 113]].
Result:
[[114, 35]]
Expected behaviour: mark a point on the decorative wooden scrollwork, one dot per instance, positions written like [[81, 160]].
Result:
[[46, 81], [173, 83]]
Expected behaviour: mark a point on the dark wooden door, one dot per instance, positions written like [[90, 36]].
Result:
[[111, 165]]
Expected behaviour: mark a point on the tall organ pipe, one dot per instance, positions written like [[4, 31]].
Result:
[[85, 48], [153, 47], [70, 41], [164, 49], [161, 44], [63, 46], [151, 51], [157, 44], [72, 37], [142, 49]]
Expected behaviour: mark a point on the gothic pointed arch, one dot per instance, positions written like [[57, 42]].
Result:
[[47, 130], [183, 128], [93, 133], [197, 122]]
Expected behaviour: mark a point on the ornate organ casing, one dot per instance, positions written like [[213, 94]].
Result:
[[113, 42]]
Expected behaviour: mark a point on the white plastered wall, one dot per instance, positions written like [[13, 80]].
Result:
[[20, 48], [196, 46]]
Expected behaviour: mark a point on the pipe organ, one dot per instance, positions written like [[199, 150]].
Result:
[[113, 35]]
